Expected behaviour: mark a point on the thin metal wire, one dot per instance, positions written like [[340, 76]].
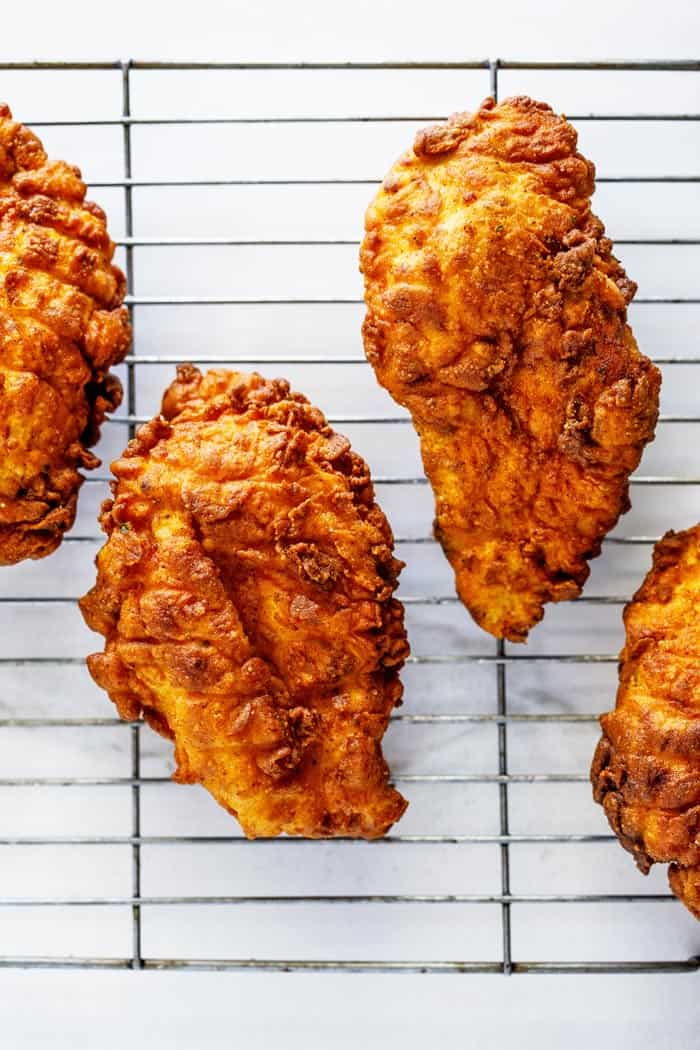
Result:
[[132, 420], [638, 479], [502, 731], [198, 359], [424, 718], [394, 479], [377, 898], [353, 965], [399, 778], [452, 658], [328, 242], [501, 659], [407, 599], [131, 403], [416, 540], [234, 840], [218, 300], [180, 183], [351, 118], [622, 65]]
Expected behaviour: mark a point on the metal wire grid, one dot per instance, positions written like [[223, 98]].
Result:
[[500, 658]]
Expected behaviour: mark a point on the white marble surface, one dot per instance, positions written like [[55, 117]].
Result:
[[63, 1009]]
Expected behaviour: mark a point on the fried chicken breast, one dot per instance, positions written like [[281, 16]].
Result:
[[496, 313], [646, 769], [61, 327], [245, 595]]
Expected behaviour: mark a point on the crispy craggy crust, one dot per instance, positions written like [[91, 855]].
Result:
[[646, 769], [61, 327], [245, 594], [496, 313]]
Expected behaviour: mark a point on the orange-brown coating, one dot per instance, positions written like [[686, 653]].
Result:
[[496, 313], [245, 594], [646, 769], [61, 327]]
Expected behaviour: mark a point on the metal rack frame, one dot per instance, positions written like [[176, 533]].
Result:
[[500, 658]]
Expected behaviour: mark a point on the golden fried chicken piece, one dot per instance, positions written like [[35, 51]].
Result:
[[245, 593], [646, 769], [496, 314], [61, 327]]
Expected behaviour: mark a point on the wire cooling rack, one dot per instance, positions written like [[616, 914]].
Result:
[[553, 891]]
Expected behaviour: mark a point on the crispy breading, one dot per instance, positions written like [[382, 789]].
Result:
[[245, 594], [61, 327], [496, 313], [646, 769]]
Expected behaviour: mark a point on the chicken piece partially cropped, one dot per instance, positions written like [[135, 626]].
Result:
[[646, 769], [496, 313], [62, 325], [245, 594]]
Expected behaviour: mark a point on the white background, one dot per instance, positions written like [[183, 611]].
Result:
[[103, 1010]]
